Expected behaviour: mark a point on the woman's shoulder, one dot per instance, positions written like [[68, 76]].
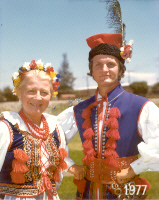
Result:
[[12, 117]]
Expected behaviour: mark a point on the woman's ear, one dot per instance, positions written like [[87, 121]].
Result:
[[18, 93]]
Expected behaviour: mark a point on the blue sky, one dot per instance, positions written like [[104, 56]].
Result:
[[46, 29]]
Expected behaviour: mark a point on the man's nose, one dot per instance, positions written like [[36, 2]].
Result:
[[105, 67]]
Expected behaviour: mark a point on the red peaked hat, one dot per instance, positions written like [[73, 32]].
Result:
[[105, 44], [109, 38]]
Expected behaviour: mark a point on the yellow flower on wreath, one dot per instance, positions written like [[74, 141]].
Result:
[[53, 74]]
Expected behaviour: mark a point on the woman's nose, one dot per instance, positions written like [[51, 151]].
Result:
[[38, 95]]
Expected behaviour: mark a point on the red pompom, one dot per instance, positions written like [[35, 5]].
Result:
[[63, 153], [114, 113], [112, 123], [87, 144], [91, 152], [113, 133], [81, 184], [86, 113], [111, 161], [111, 144], [110, 152], [88, 134], [19, 167], [88, 159], [20, 155], [87, 123], [17, 177], [63, 165]]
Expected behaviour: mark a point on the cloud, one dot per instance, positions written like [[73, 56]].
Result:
[[150, 78]]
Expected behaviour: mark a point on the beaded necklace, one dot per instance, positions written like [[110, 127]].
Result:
[[39, 133]]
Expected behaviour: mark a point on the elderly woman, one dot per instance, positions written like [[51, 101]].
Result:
[[33, 151]]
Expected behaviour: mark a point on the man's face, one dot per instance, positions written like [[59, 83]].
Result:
[[105, 70]]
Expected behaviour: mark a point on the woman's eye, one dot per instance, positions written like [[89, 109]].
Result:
[[44, 93]]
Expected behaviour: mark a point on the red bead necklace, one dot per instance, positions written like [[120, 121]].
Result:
[[40, 133]]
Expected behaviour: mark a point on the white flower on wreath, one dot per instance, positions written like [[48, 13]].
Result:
[[26, 66], [47, 66], [15, 75], [39, 63]]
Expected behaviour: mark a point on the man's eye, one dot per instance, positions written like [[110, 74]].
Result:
[[111, 64]]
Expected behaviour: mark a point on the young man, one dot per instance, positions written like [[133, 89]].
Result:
[[114, 126]]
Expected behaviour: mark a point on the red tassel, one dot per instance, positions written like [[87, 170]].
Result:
[[84, 151], [110, 152], [20, 155], [81, 184], [114, 113], [63, 153], [86, 113], [91, 152], [87, 144], [88, 134], [57, 176], [87, 123], [19, 167], [88, 159], [111, 144], [113, 133], [17, 178], [112, 123], [63, 165]]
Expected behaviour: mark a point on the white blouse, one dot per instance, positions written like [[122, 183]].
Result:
[[5, 140], [148, 126]]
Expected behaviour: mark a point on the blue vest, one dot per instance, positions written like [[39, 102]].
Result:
[[129, 106], [25, 141]]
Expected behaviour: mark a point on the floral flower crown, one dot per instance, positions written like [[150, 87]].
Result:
[[17, 76], [126, 51]]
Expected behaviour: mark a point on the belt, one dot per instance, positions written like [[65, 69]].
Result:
[[101, 173]]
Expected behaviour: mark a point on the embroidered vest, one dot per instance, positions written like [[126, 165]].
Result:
[[130, 106], [33, 184]]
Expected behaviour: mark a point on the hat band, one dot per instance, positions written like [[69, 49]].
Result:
[[106, 49]]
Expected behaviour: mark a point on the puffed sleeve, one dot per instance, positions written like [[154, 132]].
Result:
[[4, 142], [67, 121], [148, 126]]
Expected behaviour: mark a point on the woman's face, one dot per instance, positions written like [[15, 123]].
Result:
[[35, 94]]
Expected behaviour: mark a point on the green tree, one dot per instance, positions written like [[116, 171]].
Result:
[[66, 77], [139, 88], [155, 88], [8, 95]]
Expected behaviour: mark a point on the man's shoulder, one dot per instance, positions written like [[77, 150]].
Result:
[[135, 96], [134, 100], [86, 102]]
